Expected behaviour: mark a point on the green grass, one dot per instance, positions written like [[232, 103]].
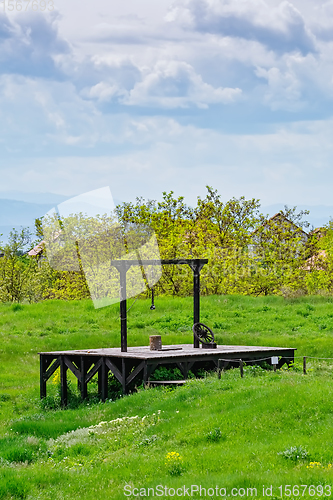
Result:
[[264, 429]]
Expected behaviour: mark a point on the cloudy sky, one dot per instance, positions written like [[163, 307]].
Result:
[[145, 96]]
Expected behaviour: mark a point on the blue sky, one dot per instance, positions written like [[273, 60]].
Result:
[[147, 96]]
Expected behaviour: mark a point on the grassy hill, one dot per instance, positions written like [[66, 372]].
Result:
[[267, 429]]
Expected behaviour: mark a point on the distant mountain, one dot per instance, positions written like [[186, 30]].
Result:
[[14, 212], [36, 198], [18, 213]]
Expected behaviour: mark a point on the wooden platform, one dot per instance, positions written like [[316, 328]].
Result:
[[138, 363]]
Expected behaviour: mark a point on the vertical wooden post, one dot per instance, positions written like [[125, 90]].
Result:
[[241, 368], [219, 369], [123, 307], [196, 302], [100, 381], [196, 267], [123, 375], [183, 366], [145, 374], [41, 375], [83, 384], [63, 381], [103, 380], [304, 365]]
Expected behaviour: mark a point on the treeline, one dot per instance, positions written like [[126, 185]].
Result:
[[248, 253]]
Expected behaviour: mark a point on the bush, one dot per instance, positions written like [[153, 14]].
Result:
[[295, 453]]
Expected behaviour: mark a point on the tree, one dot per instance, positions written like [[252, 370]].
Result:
[[223, 230], [15, 267], [278, 252]]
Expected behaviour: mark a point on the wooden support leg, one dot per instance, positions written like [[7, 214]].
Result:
[[145, 374], [183, 366], [190, 365], [83, 383], [221, 366], [63, 381], [304, 365], [42, 377], [241, 368], [123, 375], [103, 381]]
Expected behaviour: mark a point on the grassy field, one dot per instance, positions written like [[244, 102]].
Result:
[[267, 429]]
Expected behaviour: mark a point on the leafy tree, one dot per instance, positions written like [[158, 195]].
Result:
[[278, 252], [170, 220], [223, 231], [319, 266], [15, 267]]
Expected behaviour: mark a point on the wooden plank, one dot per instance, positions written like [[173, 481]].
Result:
[[183, 368], [50, 371], [114, 369], [144, 352], [93, 370], [72, 368], [190, 365], [135, 372], [167, 382]]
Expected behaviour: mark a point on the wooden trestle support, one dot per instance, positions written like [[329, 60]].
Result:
[[139, 363]]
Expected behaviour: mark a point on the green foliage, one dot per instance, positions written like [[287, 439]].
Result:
[[15, 268], [247, 252], [164, 373], [214, 435], [115, 390]]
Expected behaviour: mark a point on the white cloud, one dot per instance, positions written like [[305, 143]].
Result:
[[175, 84], [103, 91], [281, 28], [109, 97], [28, 44], [283, 90]]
